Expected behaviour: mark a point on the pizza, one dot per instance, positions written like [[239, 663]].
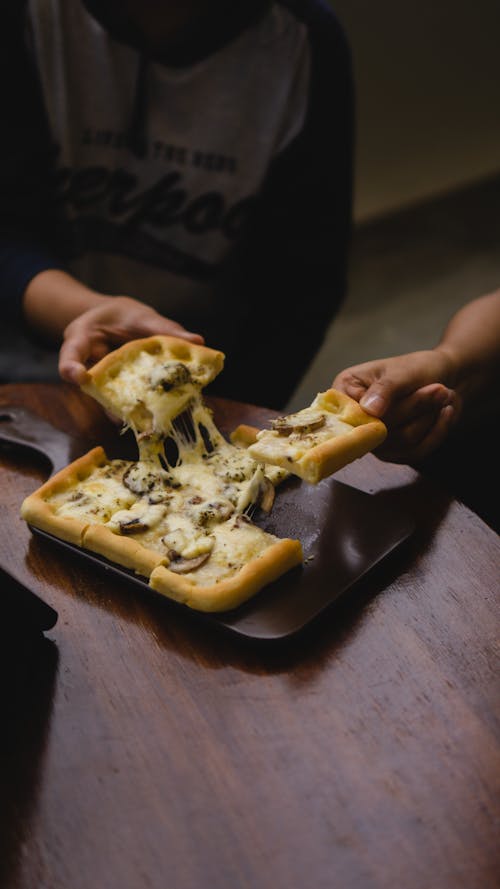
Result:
[[318, 440], [181, 514]]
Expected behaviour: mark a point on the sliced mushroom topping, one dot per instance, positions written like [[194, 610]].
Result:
[[179, 565], [170, 376], [134, 526], [295, 423]]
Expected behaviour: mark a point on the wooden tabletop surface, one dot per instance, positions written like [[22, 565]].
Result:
[[143, 749]]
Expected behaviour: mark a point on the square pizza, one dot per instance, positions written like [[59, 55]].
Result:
[[180, 515]]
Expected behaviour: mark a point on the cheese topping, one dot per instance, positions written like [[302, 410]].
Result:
[[97, 497], [292, 436], [188, 494]]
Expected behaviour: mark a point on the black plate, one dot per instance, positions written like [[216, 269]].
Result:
[[344, 533]]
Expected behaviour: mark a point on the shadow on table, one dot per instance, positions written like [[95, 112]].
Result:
[[29, 668]]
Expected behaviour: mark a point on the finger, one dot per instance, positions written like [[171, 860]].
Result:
[[352, 385], [437, 434], [73, 356], [167, 327], [418, 442], [380, 396], [72, 372], [406, 438], [191, 337], [426, 400]]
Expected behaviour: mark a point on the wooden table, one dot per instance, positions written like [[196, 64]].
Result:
[[143, 750]]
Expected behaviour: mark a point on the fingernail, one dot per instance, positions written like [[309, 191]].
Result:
[[442, 397], [373, 404]]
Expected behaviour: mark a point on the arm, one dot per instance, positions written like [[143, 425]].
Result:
[[421, 395], [471, 343]]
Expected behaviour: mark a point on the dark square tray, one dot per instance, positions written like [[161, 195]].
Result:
[[344, 533]]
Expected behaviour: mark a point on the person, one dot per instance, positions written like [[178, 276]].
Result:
[[441, 405], [177, 167]]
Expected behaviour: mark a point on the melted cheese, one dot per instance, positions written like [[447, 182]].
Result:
[[187, 494], [148, 394], [97, 497], [234, 544], [299, 435]]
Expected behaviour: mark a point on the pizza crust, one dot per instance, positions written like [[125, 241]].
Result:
[[244, 436], [232, 591], [124, 551], [38, 509]]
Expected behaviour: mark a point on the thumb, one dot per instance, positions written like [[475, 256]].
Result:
[[379, 397]]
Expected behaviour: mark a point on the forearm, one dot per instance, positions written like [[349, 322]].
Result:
[[53, 299], [471, 344]]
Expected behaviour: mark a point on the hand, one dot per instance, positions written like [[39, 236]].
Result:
[[410, 394], [115, 320]]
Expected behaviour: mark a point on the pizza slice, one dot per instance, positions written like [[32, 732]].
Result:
[[318, 440], [146, 383]]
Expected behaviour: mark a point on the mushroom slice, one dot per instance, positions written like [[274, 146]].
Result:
[[303, 423], [180, 565], [134, 526], [170, 376]]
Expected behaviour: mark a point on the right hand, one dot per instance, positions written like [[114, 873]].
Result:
[[409, 393], [114, 321]]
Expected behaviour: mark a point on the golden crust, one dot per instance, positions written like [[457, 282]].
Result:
[[40, 514], [244, 435], [123, 550], [332, 455], [167, 348], [328, 456], [232, 591]]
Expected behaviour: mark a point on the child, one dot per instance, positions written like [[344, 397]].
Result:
[[177, 167]]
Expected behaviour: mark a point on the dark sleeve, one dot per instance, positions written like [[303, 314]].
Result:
[[27, 207], [294, 268]]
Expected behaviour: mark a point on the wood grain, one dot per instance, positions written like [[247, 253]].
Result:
[[143, 750]]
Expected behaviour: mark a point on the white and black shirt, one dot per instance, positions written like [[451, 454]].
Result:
[[214, 187]]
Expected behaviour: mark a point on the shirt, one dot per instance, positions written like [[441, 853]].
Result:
[[215, 187]]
